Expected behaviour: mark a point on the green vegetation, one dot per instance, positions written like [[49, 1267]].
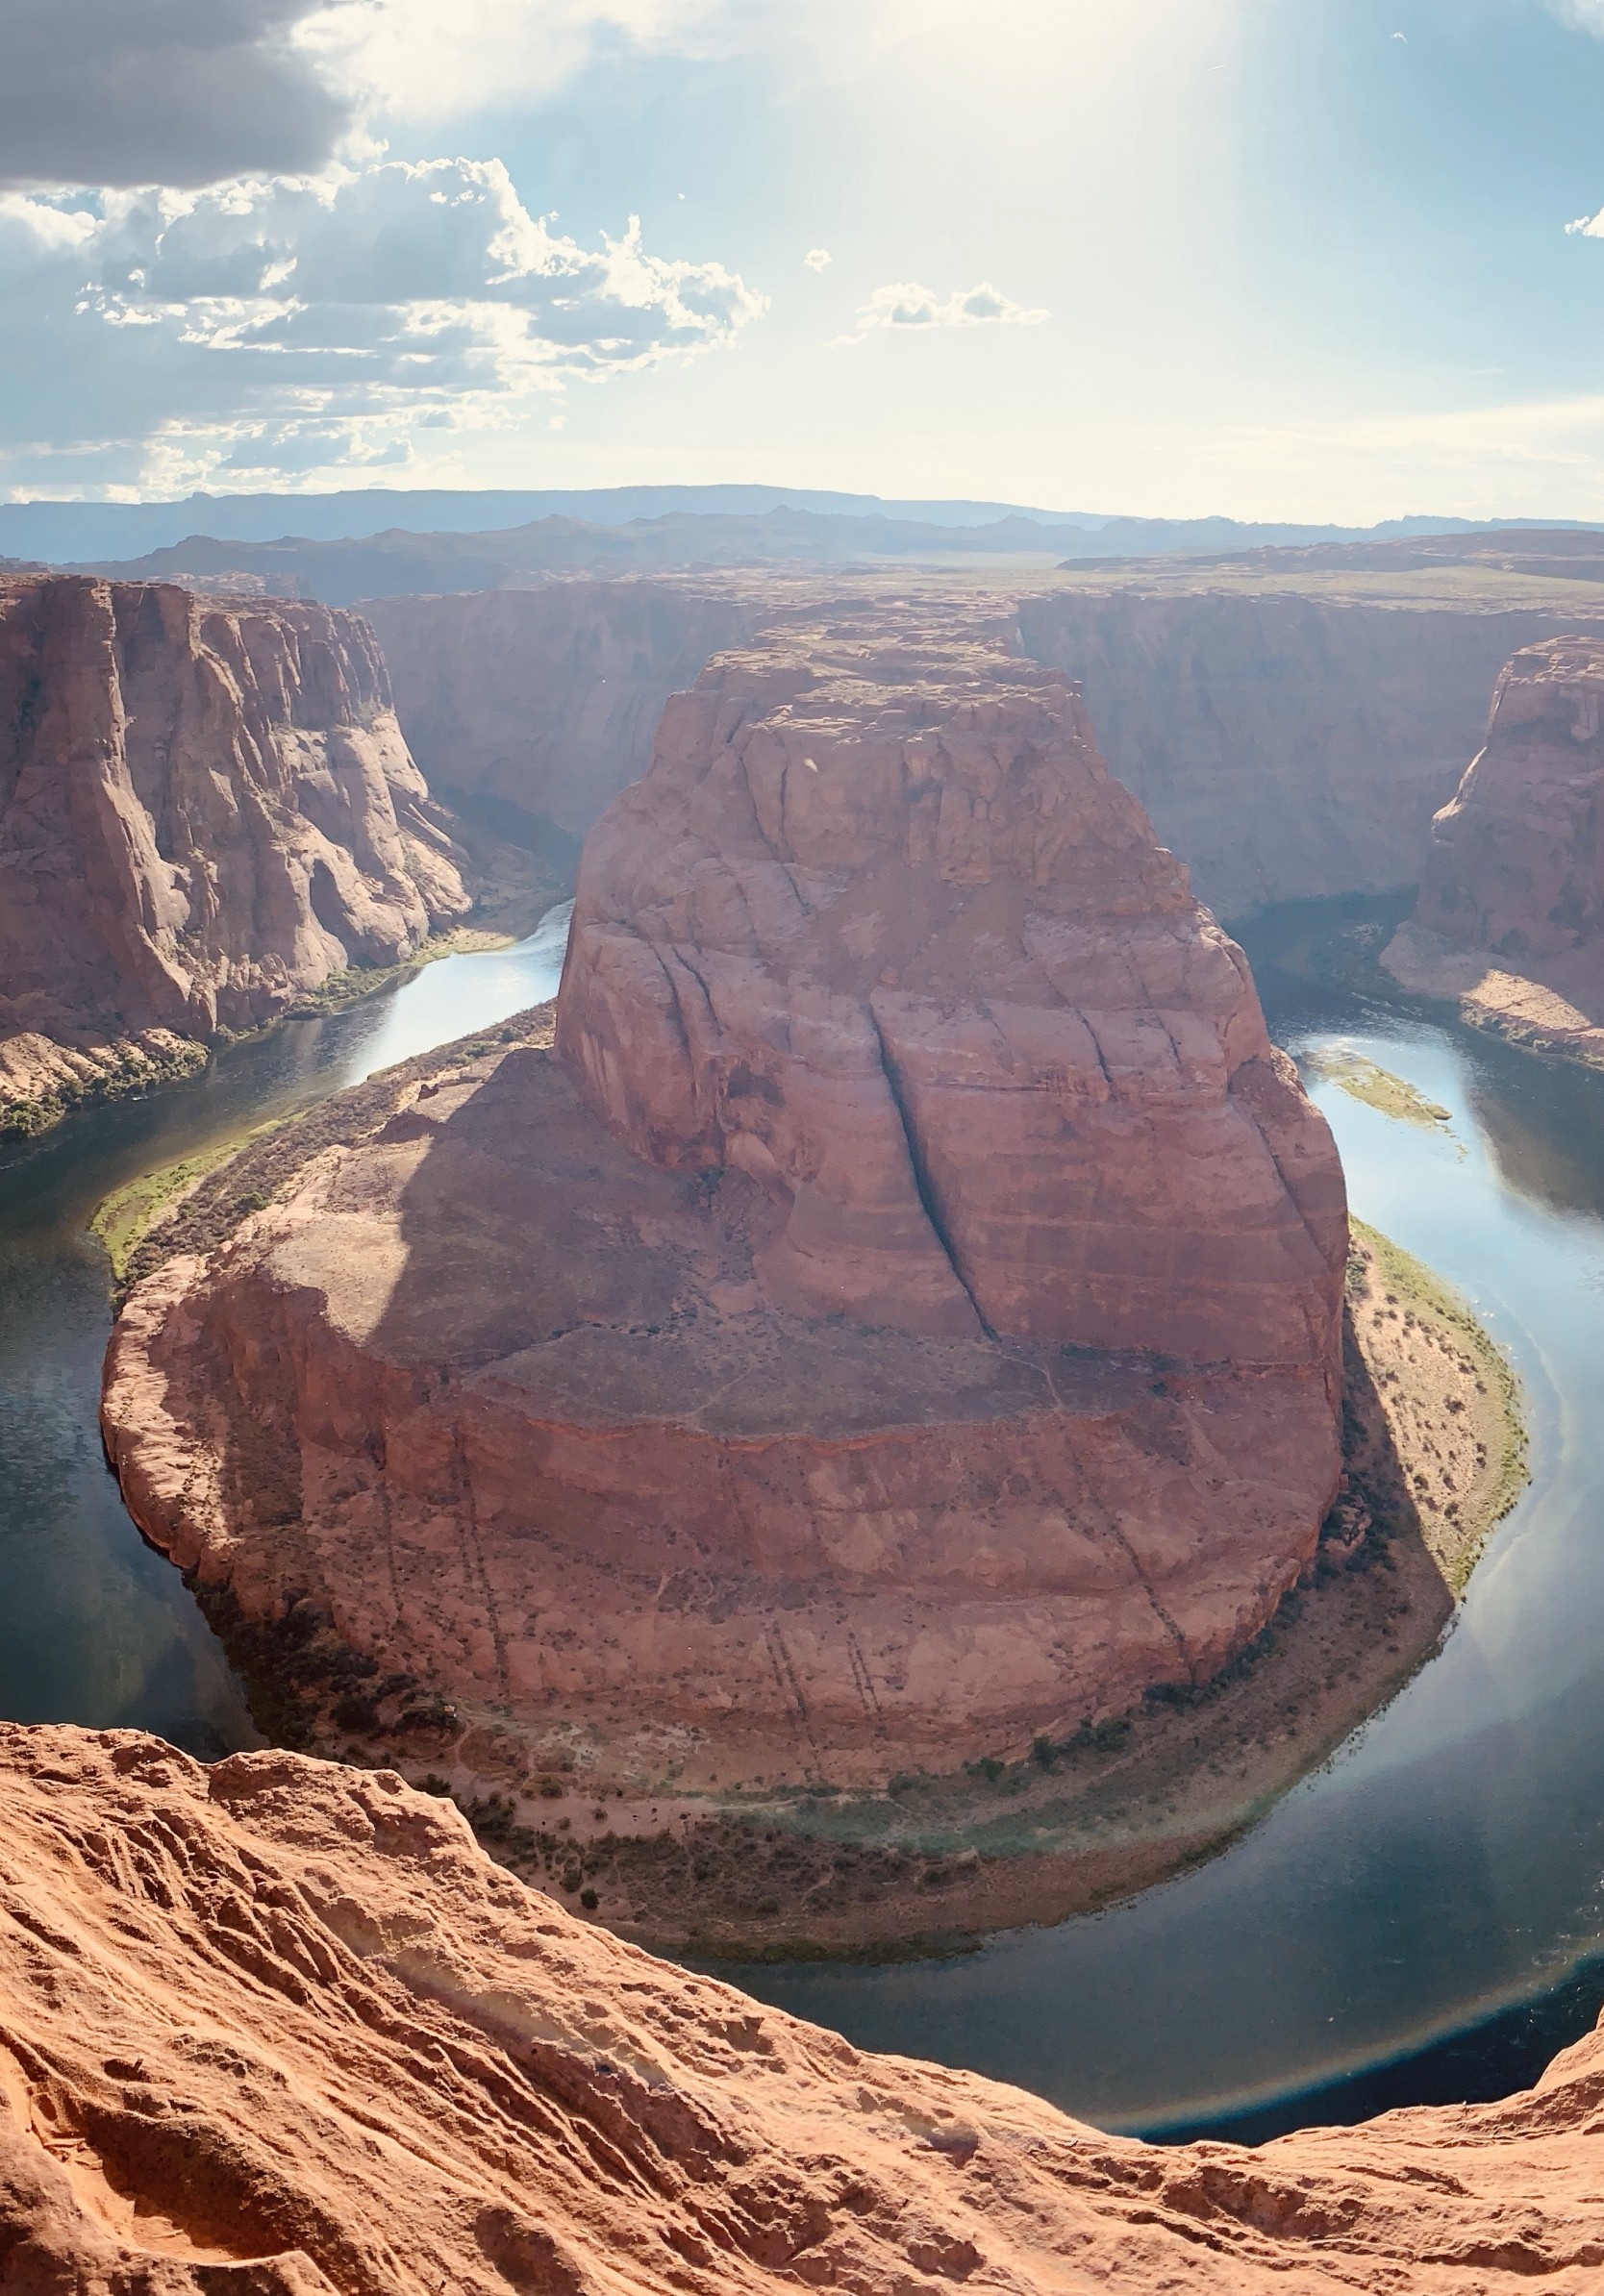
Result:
[[1379, 1089], [124, 1218]]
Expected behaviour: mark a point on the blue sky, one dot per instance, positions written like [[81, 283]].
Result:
[[1275, 258]]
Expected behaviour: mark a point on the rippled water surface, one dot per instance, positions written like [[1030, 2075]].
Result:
[[94, 1626], [1446, 1868]]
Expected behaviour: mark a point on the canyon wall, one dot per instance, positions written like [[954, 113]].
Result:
[[1284, 746], [545, 701], [206, 809], [1509, 917], [279, 2027], [906, 1317]]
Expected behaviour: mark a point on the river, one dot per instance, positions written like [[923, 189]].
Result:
[[95, 1627], [1424, 1917]]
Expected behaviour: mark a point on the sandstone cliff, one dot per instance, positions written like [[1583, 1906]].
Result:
[[920, 1329], [279, 2028], [206, 809], [1284, 746], [1510, 918], [545, 701]]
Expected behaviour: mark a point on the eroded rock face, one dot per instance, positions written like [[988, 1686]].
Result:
[[1511, 911], [280, 2027], [1285, 747], [905, 1319], [206, 809], [545, 701], [879, 929]]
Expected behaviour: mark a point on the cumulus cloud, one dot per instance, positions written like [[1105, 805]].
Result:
[[284, 325], [425, 59], [907, 305], [818, 258], [174, 91]]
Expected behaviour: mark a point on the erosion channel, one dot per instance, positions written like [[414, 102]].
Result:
[[1443, 1868]]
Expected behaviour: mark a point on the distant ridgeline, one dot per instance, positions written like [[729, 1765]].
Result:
[[377, 542]]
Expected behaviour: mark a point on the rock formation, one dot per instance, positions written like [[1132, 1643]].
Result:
[[544, 701], [1510, 918], [206, 809], [1285, 747], [905, 1318], [280, 2028]]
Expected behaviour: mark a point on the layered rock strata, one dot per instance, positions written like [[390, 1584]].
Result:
[[206, 809], [1510, 918], [280, 2027], [1285, 747], [905, 1317], [544, 702]]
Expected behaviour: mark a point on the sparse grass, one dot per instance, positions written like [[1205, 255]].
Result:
[[1379, 1089]]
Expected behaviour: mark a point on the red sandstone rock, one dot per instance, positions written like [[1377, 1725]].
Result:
[[1511, 911], [879, 929], [206, 809], [546, 700], [906, 1367], [280, 2028]]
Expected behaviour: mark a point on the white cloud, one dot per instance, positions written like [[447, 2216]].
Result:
[[423, 59], [904, 304], [818, 258], [285, 325]]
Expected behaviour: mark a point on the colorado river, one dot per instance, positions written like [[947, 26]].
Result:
[[94, 1626], [1446, 1866]]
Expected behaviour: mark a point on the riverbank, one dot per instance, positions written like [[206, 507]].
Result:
[[43, 1082]]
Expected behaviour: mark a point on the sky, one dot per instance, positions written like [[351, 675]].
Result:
[[1276, 259]]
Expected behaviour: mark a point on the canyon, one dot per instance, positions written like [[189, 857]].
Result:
[[280, 2027], [1286, 744], [207, 813], [1508, 921], [900, 1314]]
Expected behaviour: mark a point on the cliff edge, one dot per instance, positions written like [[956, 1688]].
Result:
[[280, 2028], [207, 810]]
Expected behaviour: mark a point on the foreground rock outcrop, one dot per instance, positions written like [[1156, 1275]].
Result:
[[1510, 918], [207, 810], [280, 2028], [906, 1318]]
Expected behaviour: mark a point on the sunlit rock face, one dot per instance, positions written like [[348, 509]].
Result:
[[280, 2027], [1510, 916], [206, 809], [899, 1316], [879, 929]]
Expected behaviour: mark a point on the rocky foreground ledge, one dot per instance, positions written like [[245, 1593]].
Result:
[[280, 2029]]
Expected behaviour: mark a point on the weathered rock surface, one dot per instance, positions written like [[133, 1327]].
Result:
[[920, 1329], [1509, 917], [280, 2028], [545, 701], [1285, 747], [206, 809]]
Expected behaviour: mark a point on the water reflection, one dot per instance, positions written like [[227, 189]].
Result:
[[94, 1626], [1447, 1862]]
